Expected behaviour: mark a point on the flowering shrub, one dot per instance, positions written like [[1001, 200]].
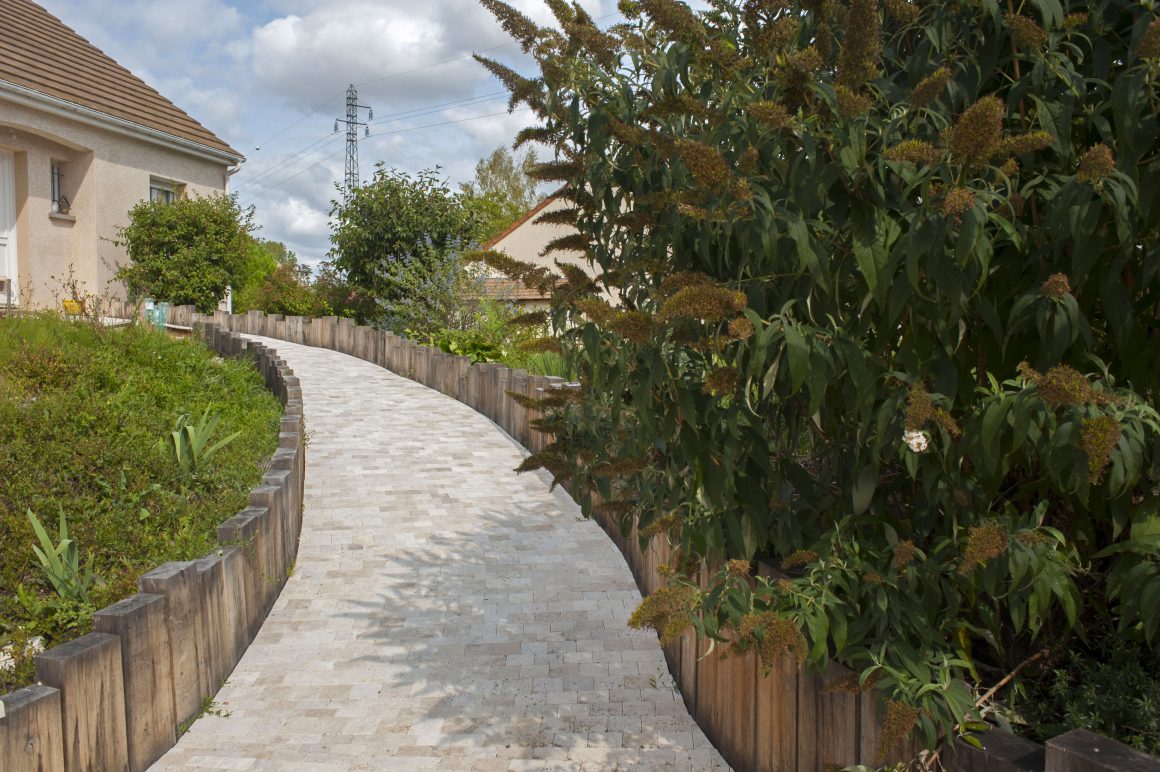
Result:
[[887, 281]]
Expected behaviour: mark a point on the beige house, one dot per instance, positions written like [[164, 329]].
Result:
[[525, 240], [82, 140]]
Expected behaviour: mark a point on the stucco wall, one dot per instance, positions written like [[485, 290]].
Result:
[[527, 240], [105, 175]]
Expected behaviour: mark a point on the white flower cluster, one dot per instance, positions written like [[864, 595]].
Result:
[[916, 441]]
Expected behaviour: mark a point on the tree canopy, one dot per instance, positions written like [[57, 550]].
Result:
[[187, 251]]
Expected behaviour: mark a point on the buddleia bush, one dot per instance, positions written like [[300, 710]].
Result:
[[876, 302]]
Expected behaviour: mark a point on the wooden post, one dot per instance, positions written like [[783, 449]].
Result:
[[184, 620], [150, 717], [235, 615], [219, 640], [32, 732], [87, 671], [838, 719], [1083, 751], [1001, 752], [242, 531]]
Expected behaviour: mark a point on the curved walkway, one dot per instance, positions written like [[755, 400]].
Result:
[[445, 613]]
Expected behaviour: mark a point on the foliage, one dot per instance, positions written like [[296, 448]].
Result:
[[888, 280], [188, 443], [187, 251], [340, 296], [276, 283], [394, 218], [501, 192], [61, 562], [429, 290], [81, 410], [1113, 689]]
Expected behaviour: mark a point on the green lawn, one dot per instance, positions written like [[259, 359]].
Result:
[[81, 413]]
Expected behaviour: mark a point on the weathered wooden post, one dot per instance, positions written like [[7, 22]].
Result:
[[147, 667], [87, 671], [32, 731]]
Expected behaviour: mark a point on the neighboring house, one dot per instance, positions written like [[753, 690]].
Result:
[[82, 140], [525, 240]]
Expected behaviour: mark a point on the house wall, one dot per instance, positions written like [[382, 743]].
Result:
[[105, 175], [527, 240]]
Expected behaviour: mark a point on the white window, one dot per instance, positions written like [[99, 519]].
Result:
[[164, 190], [60, 202]]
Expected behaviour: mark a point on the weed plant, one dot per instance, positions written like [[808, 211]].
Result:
[[82, 410]]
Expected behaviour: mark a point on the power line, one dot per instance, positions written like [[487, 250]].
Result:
[[399, 74], [264, 191], [394, 117], [284, 163]]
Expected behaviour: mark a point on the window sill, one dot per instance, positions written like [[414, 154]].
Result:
[[62, 217]]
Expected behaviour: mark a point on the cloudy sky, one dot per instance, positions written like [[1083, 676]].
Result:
[[270, 78]]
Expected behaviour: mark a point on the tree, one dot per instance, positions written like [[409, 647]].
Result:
[[187, 251], [502, 191], [396, 216], [889, 279], [275, 282]]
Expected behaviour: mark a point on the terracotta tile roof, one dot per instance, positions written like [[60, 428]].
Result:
[[511, 290], [38, 51]]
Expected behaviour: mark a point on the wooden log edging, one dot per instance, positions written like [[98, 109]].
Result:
[[785, 721], [117, 699]]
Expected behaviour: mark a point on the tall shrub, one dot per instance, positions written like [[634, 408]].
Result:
[[188, 251], [888, 279]]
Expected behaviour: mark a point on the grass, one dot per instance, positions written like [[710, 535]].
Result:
[[82, 410]]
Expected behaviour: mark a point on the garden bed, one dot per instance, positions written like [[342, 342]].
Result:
[[83, 411]]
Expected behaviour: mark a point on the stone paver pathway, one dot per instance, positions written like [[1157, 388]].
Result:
[[444, 613]]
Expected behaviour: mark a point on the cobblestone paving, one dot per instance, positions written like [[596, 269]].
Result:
[[444, 613]]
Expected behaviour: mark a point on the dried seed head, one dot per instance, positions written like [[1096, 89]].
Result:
[[1027, 35], [595, 309], [620, 468], [1063, 386], [862, 46], [1009, 167], [798, 558], [706, 302], [741, 328], [722, 381], [902, 11], [769, 113], [738, 568], [776, 636], [984, 542], [930, 88], [872, 577], [1033, 538], [978, 131], [1149, 47], [904, 552], [662, 524], [919, 408], [1073, 20], [1056, 286], [705, 163], [1022, 144], [669, 611], [914, 151], [956, 201], [896, 726], [850, 103], [633, 326], [1098, 438], [1095, 164]]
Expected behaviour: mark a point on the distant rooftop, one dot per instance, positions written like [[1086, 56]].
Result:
[[40, 52]]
